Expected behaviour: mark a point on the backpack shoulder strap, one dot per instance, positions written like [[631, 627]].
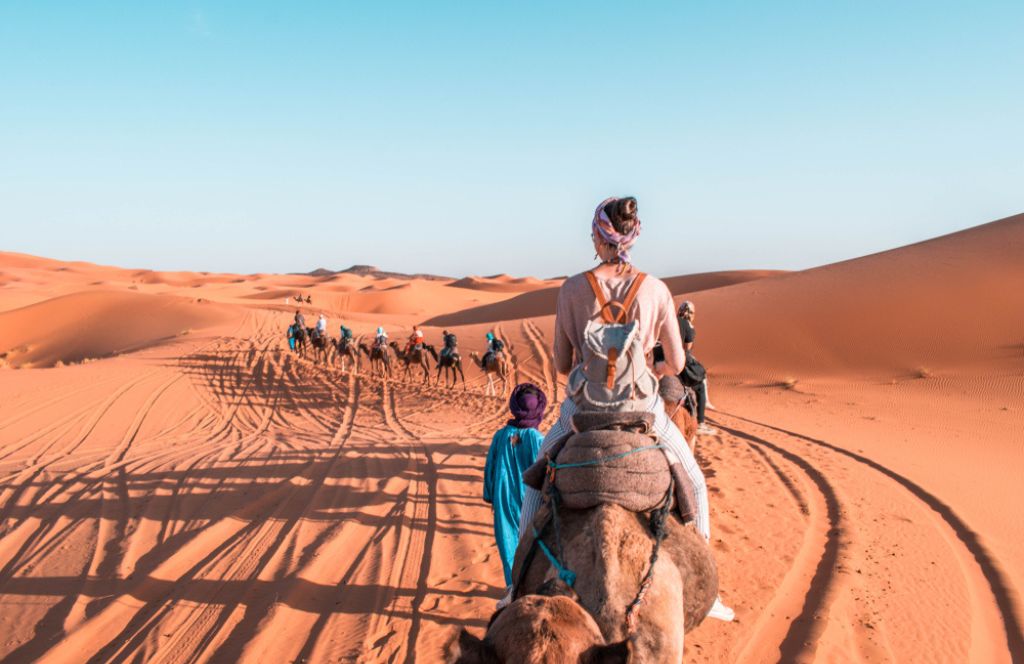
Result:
[[622, 308], [602, 302], [634, 288]]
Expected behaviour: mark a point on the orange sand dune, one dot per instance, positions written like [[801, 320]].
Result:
[[96, 324], [211, 496], [692, 283], [927, 308], [541, 301], [503, 283]]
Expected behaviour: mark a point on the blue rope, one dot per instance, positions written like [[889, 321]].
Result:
[[564, 573], [604, 460]]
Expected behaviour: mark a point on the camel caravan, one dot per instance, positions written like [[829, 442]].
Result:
[[316, 344]]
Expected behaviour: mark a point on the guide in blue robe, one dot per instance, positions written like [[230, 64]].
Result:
[[513, 449]]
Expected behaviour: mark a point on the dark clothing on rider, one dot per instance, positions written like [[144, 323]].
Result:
[[687, 331], [688, 334], [700, 389], [300, 320], [346, 333], [449, 344]]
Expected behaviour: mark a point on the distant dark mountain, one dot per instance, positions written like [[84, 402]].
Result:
[[372, 271]]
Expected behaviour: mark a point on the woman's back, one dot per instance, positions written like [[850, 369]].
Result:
[[653, 309]]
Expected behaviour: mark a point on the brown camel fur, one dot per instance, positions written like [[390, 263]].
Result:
[[350, 351], [380, 361], [609, 549], [497, 365], [301, 341], [321, 345], [536, 629], [674, 394], [450, 362], [413, 357]]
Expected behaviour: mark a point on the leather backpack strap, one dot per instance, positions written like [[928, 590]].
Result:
[[602, 302], [634, 288]]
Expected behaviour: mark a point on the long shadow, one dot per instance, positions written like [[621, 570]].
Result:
[[430, 478], [804, 631], [206, 495], [1001, 588]]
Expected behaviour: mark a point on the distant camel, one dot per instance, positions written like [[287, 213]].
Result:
[[346, 348], [497, 364], [321, 344], [415, 356], [450, 361], [380, 359], [301, 339]]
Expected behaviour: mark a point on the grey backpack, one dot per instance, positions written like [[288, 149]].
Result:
[[613, 374]]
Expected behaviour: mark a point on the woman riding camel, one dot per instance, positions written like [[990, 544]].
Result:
[[694, 375], [415, 339], [614, 230]]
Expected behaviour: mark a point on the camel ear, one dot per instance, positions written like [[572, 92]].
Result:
[[467, 649], [615, 653]]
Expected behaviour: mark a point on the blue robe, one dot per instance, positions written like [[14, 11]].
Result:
[[504, 488]]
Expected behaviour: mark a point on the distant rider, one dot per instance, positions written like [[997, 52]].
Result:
[[415, 340], [321, 326], [346, 336], [450, 343], [300, 320], [495, 346], [381, 340]]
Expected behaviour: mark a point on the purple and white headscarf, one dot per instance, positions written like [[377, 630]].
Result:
[[604, 229]]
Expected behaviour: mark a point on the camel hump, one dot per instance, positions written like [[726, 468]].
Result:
[[638, 422], [618, 467]]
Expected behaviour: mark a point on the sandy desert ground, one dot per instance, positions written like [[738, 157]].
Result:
[[176, 486]]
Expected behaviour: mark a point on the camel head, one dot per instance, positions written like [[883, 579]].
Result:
[[539, 629]]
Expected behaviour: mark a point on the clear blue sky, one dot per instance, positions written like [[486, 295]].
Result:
[[473, 138]]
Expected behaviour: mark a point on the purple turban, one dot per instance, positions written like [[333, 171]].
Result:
[[603, 229], [527, 405]]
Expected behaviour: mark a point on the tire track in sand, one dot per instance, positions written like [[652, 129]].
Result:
[[990, 593]]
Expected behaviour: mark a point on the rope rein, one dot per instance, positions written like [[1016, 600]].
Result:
[[658, 519], [657, 526]]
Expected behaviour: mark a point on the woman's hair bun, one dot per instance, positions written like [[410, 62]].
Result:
[[622, 213]]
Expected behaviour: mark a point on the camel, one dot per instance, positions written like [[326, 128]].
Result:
[[610, 550], [539, 628], [415, 356], [347, 349], [321, 345], [497, 364], [301, 339], [380, 360], [451, 362]]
